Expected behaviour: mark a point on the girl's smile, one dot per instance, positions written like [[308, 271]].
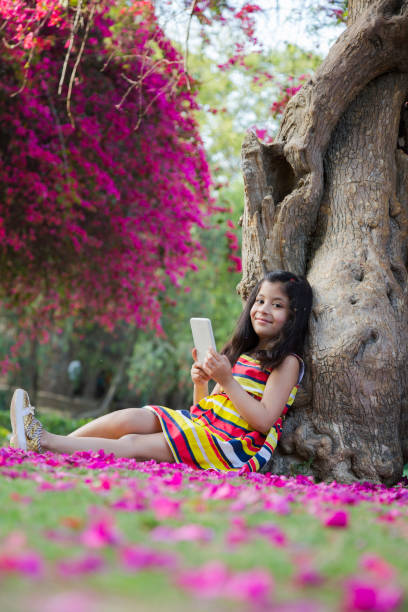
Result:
[[269, 312]]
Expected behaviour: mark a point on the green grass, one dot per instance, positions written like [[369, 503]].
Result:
[[29, 513]]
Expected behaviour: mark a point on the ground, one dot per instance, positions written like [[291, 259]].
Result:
[[91, 532]]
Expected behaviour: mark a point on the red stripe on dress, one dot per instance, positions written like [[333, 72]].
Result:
[[217, 451], [242, 370], [212, 420]]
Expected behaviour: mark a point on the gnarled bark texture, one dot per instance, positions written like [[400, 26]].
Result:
[[329, 199]]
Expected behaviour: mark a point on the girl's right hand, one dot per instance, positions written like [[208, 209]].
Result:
[[198, 376]]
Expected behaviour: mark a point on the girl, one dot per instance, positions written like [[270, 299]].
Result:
[[236, 427]]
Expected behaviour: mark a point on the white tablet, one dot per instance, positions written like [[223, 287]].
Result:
[[203, 337]]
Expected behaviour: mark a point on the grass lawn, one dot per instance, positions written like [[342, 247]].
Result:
[[92, 533]]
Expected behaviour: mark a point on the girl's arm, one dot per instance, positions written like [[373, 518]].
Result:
[[200, 380], [260, 415], [217, 389]]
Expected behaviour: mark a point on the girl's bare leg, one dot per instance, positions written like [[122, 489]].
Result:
[[140, 447], [119, 423]]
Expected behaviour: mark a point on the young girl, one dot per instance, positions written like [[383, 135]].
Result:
[[236, 427]]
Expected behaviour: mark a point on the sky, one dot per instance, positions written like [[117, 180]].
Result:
[[287, 22], [281, 22]]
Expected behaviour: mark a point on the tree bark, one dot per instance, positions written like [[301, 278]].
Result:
[[329, 199]]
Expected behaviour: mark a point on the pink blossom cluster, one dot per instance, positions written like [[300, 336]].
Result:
[[98, 203], [170, 492], [233, 248], [287, 91]]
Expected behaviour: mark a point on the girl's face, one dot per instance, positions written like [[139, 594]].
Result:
[[269, 312]]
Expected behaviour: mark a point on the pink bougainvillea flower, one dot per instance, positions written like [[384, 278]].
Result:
[[16, 557], [377, 567], [56, 486], [26, 562], [69, 601], [207, 582], [254, 585], [20, 499], [223, 491], [309, 577], [273, 533], [299, 605], [390, 516], [166, 507], [339, 518], [238, 533], [175, 481], [139, 558], [363, 594], [193, 532], [100, 532], [190, 532], [277, 503], [86, 564]]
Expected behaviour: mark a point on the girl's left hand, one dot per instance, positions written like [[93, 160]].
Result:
[[217, 366]]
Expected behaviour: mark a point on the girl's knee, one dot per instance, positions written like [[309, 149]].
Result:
[[131, 438]]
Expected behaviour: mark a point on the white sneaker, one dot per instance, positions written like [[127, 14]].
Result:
[[26, 428]]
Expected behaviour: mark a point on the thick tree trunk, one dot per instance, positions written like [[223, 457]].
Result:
[[329, 199]]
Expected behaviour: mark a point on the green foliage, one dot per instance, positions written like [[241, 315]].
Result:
[[56, 424], [231, 101]]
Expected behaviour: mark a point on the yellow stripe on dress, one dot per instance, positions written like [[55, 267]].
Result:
[[255, 387]]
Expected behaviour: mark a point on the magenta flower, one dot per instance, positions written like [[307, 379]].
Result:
[[254, 586], [274, 534], [309, 577], [377, 567], [339, 518], [362, 594], [206, 582], [85, 564], [166, 507], [26, 562], [135, 557], [100, 532], [190, 532]]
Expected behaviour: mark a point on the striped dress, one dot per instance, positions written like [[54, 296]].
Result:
[[213, 435]]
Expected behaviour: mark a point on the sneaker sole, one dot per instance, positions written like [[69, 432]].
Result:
[[17, 418]]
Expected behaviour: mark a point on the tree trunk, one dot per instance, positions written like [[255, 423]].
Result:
[[329, 199]]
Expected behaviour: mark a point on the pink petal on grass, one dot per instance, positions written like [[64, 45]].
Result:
[[309, 577], [191, 532], [223, 491], [69, 601], [139, 558], [378, 567], [101, 532], [277, 503], [175, 481], [208, 581], [86, 564], [20, 499], [166, 507], [339, 518], [27, 562], [362, 594], [254, 586], [274, 533]]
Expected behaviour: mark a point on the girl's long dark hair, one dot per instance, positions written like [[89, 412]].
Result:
[[291, 337]]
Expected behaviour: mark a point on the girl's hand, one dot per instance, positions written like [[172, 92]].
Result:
[[198, 376], [217, 367]]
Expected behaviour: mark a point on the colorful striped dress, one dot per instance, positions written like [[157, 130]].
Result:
[[213, 435]]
